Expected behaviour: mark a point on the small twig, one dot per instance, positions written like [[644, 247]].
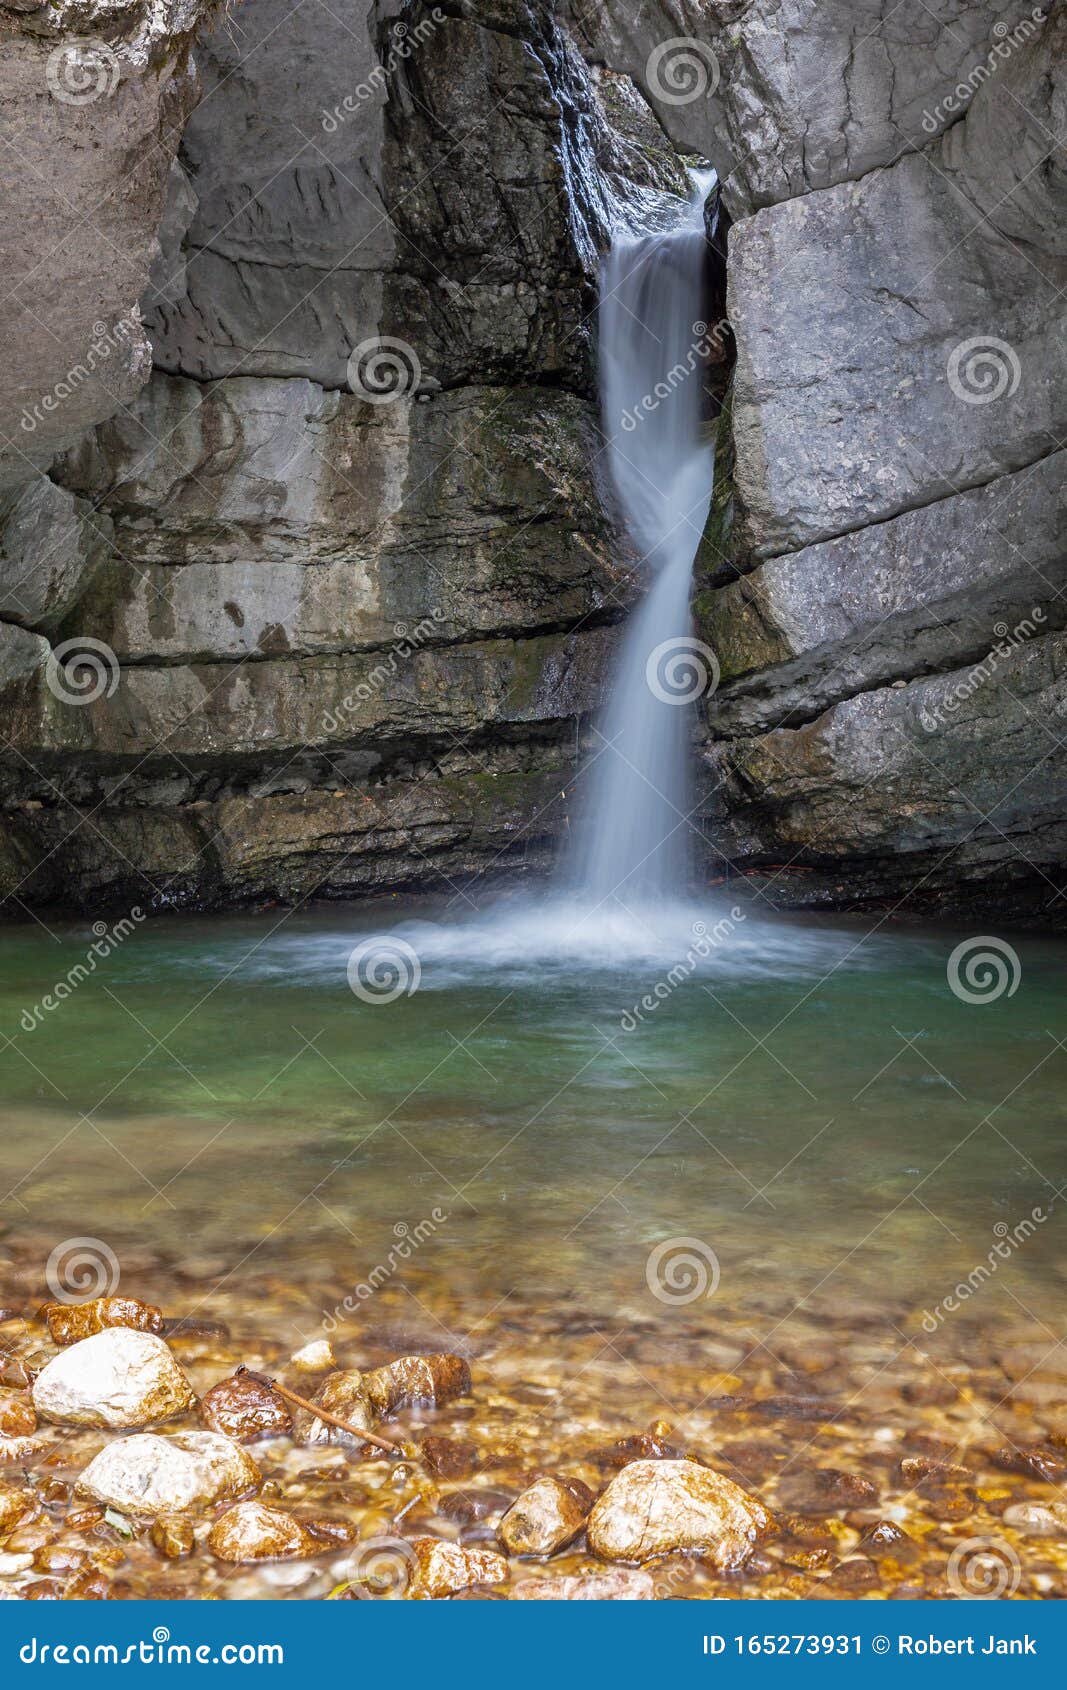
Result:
[[320, 1413]]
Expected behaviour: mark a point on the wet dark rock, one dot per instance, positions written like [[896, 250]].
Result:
[[1045, 1464], [855, 1573], [244, 1408], [449, 1458], [948, 1502], [641, 1447], [827, 1488], [467, 1506]]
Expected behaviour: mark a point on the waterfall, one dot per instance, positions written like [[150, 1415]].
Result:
[[632, 844]]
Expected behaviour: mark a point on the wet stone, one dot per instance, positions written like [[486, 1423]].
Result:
[[644, 1446], [917, 1468], [855, 1573], [1038, 1519], [418, 1382], [948, 1502], [827, 1488], [68, 1323], [252, 1531], [117, 1378], [885, 1535], [243, 1408], [1042, 1464], [173, 1536], [443, 1568], [542, 1520], [449, 1458], [88, 1584], [150, 1475], [466, 1506], [17, 1416], [316, 1357], [654, 1507], [344, 1394]]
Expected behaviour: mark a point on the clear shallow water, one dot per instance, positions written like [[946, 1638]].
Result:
[[816, 1106]]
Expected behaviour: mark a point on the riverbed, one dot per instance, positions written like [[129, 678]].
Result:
[[779, 1194]]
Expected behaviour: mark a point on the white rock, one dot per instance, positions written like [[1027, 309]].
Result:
[[1036, 1519], [146, 1474], [11, 1565], [316, 1357], [115, 1378], [655, 1507]]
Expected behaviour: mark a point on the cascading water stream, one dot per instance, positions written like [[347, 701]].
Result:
[[622, 898], [633, 842]]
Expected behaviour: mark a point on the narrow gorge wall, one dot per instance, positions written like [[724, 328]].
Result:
[[321, 606], [306, 582], [883, 583]]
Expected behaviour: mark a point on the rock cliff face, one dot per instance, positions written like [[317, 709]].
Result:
[[316, 596], [883, 581]]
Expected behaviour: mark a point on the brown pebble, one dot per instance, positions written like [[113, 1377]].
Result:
[[332, 1530], [1041, 1464], [948, 1502], [84, 1518], [69, 1323], [59, 1558], [173, 1536], [916, 1468], [449, 1458], [641, 1447], [88, 1585], [856, 1573], [45, 1590], [884, 1535], [17, 1416], [465, 1506]]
